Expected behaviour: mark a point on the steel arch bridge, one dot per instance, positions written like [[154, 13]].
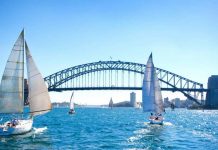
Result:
[[120, 75]]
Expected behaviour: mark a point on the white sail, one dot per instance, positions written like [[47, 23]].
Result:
[[148, 87], [151, 92], [159, 108], [71, 101], [12, 83], [39, 99]]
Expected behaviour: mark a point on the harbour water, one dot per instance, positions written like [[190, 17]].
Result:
[[118, 128]]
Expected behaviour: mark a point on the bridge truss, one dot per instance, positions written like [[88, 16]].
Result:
[[119, 75]]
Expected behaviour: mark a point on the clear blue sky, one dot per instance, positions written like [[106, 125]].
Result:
[[182, 34]]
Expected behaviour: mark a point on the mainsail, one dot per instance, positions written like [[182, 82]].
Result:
[[12, 88], [151, 92], [71, 101], [39, 99]]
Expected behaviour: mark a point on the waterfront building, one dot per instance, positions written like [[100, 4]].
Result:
[[212, 94], [189, 103], [166, 102], [133, 99], [176, 102]]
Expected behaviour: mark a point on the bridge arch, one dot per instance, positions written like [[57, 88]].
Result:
[[107, 75]]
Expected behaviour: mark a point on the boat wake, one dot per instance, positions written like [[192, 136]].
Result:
[[164, 124], [141, 131], [39, 130], [139, 134], [167, 123]]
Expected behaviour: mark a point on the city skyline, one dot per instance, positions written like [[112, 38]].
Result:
[[181, 35]]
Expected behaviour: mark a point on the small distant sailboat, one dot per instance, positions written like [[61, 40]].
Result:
[[138, 105], [111, 103], [72, 110], [12, 90], [151, 94], [172, 106]]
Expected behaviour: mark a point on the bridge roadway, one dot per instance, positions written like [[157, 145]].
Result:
[[123, 88]]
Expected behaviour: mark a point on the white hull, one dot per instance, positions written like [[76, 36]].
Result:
[[22, 127], [72, 111], [154, 121]]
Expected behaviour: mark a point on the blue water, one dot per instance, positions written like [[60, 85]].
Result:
[[119, 128]]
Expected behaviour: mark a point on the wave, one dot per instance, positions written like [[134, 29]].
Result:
[[208, 136], [134, 138], [167, 123], [141, 131], [39, 130]]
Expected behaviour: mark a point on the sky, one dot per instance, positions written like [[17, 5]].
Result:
[[181, 34]]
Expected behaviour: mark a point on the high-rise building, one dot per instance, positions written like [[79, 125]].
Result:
[[189, 103], [166, 102], [176, 102], [212, 94], [133, 99]]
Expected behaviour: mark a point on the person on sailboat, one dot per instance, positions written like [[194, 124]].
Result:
[[14, 122], [158, 117], [9, 124], [152, 116], [72, 111]]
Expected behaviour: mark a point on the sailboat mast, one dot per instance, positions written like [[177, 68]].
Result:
[[23, 66]]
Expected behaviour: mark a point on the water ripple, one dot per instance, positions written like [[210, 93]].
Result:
[[119, 128]]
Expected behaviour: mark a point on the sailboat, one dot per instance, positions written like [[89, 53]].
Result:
[[151, 94], [111, 103], [72, 110], [138, 105], [172, 106], [12, 90]]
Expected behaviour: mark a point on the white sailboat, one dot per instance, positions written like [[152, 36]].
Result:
[[72, 110], [138, 105], [12, 90], [151, 94], [111, 103]]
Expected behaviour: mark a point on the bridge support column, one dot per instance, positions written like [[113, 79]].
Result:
[[212, 94]]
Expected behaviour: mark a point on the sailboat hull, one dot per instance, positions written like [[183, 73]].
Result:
[[22, 127], [72, 111], [153, 121]]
